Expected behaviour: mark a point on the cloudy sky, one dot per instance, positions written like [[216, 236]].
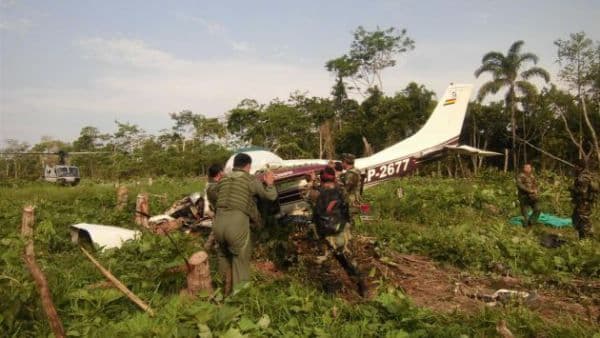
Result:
[[69, 64]]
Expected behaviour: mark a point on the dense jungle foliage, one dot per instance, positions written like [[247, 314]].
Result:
[[458, 222]]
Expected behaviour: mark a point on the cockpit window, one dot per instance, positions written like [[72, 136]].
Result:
[[62, 171], [67, 171]]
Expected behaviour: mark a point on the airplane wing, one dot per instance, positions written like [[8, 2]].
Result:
[[468, 150]]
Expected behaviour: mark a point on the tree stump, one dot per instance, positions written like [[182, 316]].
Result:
[[37, 273], [122, 193], [198, 276], [142, 210]]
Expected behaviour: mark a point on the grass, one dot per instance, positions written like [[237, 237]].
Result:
[[457, 222]]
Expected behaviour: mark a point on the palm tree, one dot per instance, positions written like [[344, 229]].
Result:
[[506, 73]]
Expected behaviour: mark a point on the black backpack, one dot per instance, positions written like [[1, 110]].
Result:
[[331, 212]]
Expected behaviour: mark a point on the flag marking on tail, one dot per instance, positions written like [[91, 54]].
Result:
[[449, 102]]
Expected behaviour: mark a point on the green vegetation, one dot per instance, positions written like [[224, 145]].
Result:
[[465, 223], [457, 222], [560, 119], [462, 224]]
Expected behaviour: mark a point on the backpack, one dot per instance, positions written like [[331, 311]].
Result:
[[331, 212]]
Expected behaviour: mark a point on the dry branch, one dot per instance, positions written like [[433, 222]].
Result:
[[39, 277], [119, 285], [545, 152]]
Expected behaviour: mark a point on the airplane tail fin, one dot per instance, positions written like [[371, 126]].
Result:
[[442, 128], [446, 121]]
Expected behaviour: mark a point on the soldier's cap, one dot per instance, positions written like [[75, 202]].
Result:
[[327, 175], [338, 166], [348, 158]]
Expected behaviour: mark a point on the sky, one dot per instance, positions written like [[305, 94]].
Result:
[[65, 65]]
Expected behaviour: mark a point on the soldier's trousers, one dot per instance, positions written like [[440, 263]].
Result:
[[232, 232], [525, 203], [581, 219], [341, 251]]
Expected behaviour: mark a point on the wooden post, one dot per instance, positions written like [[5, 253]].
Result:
[[198, 276], [460, 165], [505, 160], [117, 283], [39, 277], [122, 193], [142, 210]]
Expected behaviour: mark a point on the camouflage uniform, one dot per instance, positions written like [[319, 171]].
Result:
[[351, 183], [527, 187], [236, 207], [583, 194], [210, 196], [338, 244]]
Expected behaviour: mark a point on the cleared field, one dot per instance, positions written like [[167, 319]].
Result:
[[427, 257]]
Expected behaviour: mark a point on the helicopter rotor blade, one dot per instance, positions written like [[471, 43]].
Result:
[[54, 153], [25, 153]]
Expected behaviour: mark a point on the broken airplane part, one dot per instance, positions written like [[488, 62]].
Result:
[[438, 137], [104, 236]]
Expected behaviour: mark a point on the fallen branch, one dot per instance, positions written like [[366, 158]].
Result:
[[545, 152], [117, 283], [39, 277]]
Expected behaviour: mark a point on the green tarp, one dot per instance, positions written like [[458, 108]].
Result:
[[546, 219]]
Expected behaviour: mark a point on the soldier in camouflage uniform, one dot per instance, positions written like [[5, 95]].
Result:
[[215, 173], [528, 195], [236, 207], [351, 182], [583, 195], [330, 209]]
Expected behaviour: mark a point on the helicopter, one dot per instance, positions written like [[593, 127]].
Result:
[[61, 173]]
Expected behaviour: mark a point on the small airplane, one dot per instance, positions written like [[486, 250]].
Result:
[[438, 137]]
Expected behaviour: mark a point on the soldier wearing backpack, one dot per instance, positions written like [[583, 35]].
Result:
[[583, 195], [331, 217]]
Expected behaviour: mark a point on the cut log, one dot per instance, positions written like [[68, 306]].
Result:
[[198, 276], [118, 284], [122, 193], [142, 210], [39, 277]]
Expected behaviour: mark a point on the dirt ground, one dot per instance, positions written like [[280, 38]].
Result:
[[441, 288]]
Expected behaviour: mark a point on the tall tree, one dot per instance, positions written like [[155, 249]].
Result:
[[370, 53], [242, 122], [89, 139], [506, 71], [577, 58]]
